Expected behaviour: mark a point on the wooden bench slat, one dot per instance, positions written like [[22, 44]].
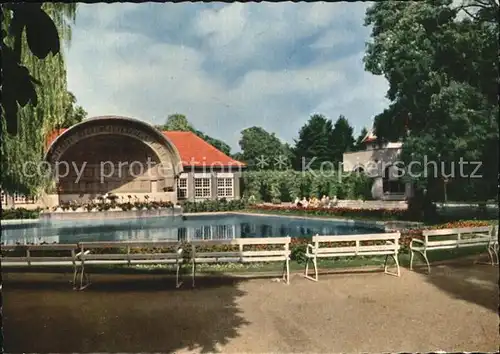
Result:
[[335, 249], [217, 254], [352, 238], [217, 260], [12, 263], [109, 256], [154, 261], [264, 253], [105, 261], [14, 259], [50, 247], [263, 241], [52, 259], [126, 244], [153, 256], [442, 243], [245, 241], [263, 259], [475, 239]]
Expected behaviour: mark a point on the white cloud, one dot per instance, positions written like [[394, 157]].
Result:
[[334, 37], [116, 71]]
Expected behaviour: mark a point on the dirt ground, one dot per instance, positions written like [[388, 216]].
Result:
[[453, 310]]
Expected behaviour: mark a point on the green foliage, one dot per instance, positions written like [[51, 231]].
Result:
[[36, 28], [73, 113], [442, 72], [20, 213], [258, 145], [342, 139], [179, 122], [102, 205], [358, 145], [288, 185], [369, 214], [213, 206], [314, 143], [34, 122]]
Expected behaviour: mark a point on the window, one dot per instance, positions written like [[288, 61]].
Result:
[[224, 187], [22, 199], [203, 233], [182, 188], [4, 198], [202, 188]]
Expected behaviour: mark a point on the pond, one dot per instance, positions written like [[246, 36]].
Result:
[[197, 227]]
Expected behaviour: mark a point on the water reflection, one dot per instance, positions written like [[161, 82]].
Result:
[[176, 228]]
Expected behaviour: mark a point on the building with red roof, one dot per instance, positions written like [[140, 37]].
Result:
[[129, 157]]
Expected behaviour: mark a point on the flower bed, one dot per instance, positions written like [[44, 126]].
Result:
[[385, 214], [112, 205], [214, 206]]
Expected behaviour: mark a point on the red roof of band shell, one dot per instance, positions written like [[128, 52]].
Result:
[[194, 151]]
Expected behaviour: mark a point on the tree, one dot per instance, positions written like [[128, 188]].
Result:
[[179, 122], [74, 114], [31, 111], [262, 150], [34, 27], [342, 139], [217, 143], [442, 72], [314, 145], [358, 145]]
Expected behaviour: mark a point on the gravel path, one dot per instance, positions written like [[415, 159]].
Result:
[[454, 310]]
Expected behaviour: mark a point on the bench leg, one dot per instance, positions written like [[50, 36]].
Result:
[[411, 259], [315, 264], [395, 257], [493, 252], [286, 271], [75, 275], [178, 283], [84, 275], [193, 271], [424, 255]]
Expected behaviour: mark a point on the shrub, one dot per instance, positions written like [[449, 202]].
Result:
[[213, 206], [385, 214], [20, 213], [287, 185], [89, 206]]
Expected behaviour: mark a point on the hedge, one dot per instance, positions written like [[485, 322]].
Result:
[[285, 186], [380, 214], [214, 206], [20, 213]]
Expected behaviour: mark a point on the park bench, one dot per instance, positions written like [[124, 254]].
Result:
[[445, 239], [123, 253], [43, 255], [332, 246], [242, 250]]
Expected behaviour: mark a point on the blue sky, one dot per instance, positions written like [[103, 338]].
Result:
[[227, 67]]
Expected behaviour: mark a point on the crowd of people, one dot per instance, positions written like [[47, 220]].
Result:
[[313, 202]]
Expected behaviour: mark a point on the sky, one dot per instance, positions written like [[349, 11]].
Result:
[[226, 67]]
